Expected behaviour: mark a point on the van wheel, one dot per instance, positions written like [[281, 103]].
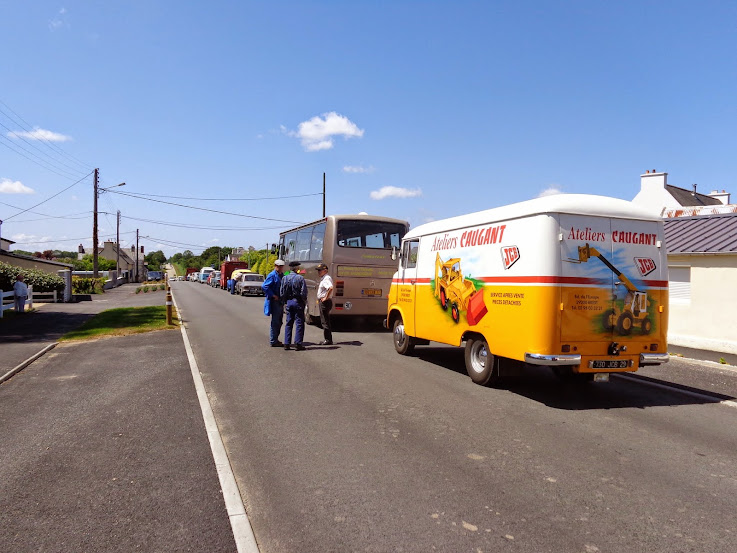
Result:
[[609, 319], [443, 299], [455, 312], [402, 343], [479, 361], [624, 323], [647, 325]]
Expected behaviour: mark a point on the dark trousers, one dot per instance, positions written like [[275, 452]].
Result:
[[277, 316], [295, 314], [325, 307]]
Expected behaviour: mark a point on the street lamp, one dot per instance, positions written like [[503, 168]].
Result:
[[94, 222]]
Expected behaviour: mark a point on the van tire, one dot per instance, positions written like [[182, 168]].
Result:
[[402, 343], [624, 323], [480, 362]]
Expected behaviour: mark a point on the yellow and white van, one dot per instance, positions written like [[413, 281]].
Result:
[[576, 282]]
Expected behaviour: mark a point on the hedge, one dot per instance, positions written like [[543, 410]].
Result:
[[41, 281]]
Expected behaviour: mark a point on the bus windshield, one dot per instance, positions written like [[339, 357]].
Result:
[[369, 234]]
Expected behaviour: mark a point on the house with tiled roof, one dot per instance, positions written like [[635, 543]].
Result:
[[701, 242]]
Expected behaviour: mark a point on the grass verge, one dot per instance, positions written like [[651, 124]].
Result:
[[124, 321]]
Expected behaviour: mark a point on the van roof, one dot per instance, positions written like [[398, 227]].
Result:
[[575, 204]]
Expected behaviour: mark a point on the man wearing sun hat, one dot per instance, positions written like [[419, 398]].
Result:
[[273, 304]]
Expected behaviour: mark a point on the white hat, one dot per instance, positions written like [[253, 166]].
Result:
[[279, 263]]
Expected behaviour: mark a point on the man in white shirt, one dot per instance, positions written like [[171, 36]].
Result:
[[21, 294], [325, 298]]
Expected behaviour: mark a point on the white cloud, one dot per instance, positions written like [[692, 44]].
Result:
[[40, 134], [395, 192], [23, 239], [58, 21], [317, 133], [550, 191], [8, 186], [358, 169]]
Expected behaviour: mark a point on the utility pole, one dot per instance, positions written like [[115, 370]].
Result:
[[323, 195], [94, 229], [117, 251], [136, 255]]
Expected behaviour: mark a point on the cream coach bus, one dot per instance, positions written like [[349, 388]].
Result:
[[575, 282], [358, 252]]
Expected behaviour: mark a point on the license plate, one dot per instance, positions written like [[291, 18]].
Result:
[[609, 364], [371, 292]]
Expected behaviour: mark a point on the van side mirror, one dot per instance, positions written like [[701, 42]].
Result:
[[394, 253]]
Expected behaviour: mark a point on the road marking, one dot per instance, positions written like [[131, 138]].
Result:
[[245, 541], [707, 397]]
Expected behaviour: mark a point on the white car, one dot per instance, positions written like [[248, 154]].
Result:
[[249, 284]]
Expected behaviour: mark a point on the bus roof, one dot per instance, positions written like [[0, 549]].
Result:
[[574, 204], [351, 216]]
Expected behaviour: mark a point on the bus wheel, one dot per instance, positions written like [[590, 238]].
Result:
[[455, 312], [402, 343], [624, 323], [443, 299], [479, 361]]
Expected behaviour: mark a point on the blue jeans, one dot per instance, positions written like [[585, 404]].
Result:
[[295, 313], [277, 317]]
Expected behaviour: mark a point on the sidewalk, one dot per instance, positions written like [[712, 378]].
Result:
[[22, 336], [104, 444]]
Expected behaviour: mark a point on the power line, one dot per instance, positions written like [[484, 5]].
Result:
[[45, 141], [55, 161], [189, 225], [169, 243], [144, 195], [50, 198], [39, 163], [70, 239], [205, 209], [46, 215]]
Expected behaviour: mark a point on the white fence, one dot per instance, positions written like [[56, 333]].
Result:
[[11, 305]]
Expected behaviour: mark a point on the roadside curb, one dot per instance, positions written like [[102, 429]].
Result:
[[27, 362]]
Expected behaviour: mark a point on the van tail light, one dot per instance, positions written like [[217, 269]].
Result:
[[339, 285]]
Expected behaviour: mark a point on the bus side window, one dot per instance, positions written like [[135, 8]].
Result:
[[318, 237], [290, 242], [304, 242]]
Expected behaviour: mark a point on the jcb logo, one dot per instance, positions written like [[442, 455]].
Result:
[[510, 256], [645, 265]]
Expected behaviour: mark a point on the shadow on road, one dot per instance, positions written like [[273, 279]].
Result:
[[539, 384]]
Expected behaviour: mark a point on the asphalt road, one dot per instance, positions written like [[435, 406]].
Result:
[[355, 448]]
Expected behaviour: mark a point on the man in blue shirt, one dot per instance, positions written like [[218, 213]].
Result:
[[294, 294], [273, 303]]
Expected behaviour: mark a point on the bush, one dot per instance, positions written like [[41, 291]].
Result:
[[145, 289], [41, 282], [84, 285], [138, 290]]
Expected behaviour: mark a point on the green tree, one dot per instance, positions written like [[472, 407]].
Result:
[[155, 260]]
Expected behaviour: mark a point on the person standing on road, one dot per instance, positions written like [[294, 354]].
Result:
[[294, 293], [273, 303], [20, 290], [325, 299]]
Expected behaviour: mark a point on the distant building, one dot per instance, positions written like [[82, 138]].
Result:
[[701, 242]]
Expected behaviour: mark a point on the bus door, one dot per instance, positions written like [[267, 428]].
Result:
[[406, 288]]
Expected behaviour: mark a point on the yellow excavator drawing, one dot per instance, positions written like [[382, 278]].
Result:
[[635, 301], [450, 286]]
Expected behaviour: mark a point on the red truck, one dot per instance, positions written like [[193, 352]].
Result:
[[227, 268]]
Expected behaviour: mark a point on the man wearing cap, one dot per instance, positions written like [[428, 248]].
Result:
[[325, 299], [294, 294], [273, 304]]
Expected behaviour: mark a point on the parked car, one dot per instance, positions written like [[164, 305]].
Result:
[[214, 279], [249, 284]]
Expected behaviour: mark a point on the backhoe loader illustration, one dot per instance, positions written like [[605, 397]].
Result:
[[635, 301], [458, 293]]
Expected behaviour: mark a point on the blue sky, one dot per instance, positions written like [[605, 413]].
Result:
[[416, 110]]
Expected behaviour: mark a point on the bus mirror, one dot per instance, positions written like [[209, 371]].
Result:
[[273, 249], [394, 253]]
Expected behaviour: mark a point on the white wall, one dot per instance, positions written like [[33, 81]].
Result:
[[708, 319], [653, 195]]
